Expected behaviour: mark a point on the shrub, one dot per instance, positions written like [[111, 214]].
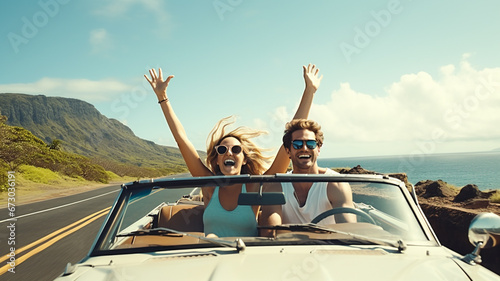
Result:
[[93, 172], [20, 147], [495, 198], [112, 175], [4, 179], [38, 174]]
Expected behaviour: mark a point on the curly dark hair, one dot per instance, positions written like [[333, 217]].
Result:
[[302, 124]]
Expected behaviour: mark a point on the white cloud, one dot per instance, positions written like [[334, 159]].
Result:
[[84, 89], [100, 40], [461, 106]]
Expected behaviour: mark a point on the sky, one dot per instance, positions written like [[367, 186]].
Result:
[[399, 77]]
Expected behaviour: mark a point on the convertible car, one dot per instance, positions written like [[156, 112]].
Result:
[[154, 231]]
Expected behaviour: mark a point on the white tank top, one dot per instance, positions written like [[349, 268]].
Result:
[[316, 203]]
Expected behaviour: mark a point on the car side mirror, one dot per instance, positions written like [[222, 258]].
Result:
[[485, 229], [484, 232]]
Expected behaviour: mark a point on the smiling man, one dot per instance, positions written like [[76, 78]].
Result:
[[306, 200]]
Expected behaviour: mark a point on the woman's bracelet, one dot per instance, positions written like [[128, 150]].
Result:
[[165, 99]]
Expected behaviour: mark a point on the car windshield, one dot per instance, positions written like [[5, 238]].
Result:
[[168, 214]]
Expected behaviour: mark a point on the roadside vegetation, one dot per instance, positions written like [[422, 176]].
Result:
[[495, 198], [40, 163]]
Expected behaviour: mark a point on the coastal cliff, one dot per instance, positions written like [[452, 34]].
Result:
[[450, 211], [80, 128]]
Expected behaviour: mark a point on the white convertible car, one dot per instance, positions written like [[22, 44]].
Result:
[[146, 238]]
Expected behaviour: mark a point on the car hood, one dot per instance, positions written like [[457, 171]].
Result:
[[284, 263]]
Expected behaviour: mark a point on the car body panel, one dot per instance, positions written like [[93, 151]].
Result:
[[282, 263]]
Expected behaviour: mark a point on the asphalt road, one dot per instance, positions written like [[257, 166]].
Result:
[[51, 233]]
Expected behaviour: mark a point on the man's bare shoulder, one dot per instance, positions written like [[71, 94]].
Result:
[[322, 170], [338, 190]]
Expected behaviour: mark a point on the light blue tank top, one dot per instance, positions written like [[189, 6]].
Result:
[[223, 223]]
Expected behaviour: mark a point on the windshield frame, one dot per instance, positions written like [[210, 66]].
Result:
[[131, 190]]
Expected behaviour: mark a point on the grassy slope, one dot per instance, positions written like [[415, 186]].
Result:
[[107, 144], [83, 130]]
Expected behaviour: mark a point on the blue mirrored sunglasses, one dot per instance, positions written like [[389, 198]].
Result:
[[298, 144]]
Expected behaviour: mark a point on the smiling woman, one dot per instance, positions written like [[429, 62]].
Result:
[[232, 144], [231, 153]]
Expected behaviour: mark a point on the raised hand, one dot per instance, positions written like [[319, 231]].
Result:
[[158, 84], [311, 76]]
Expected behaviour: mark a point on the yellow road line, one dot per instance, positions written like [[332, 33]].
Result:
[[18, 251], [42, 247]]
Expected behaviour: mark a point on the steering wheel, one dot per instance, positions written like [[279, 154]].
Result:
[[341, 210]]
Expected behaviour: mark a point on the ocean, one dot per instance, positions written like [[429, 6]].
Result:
[[459, 169]]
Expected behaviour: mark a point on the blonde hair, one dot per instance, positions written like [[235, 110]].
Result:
[[256, 162]]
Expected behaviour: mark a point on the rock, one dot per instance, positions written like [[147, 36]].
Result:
[[467, 192], [341, 170], [402, 177], [477, 204], [488, 193], [438, 188], [420, 187], [359, 170]]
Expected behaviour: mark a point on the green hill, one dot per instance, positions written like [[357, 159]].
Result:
[[82, 129], [20, 147]]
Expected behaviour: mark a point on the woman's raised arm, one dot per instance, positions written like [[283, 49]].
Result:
[[189, 153], [312, 81]]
